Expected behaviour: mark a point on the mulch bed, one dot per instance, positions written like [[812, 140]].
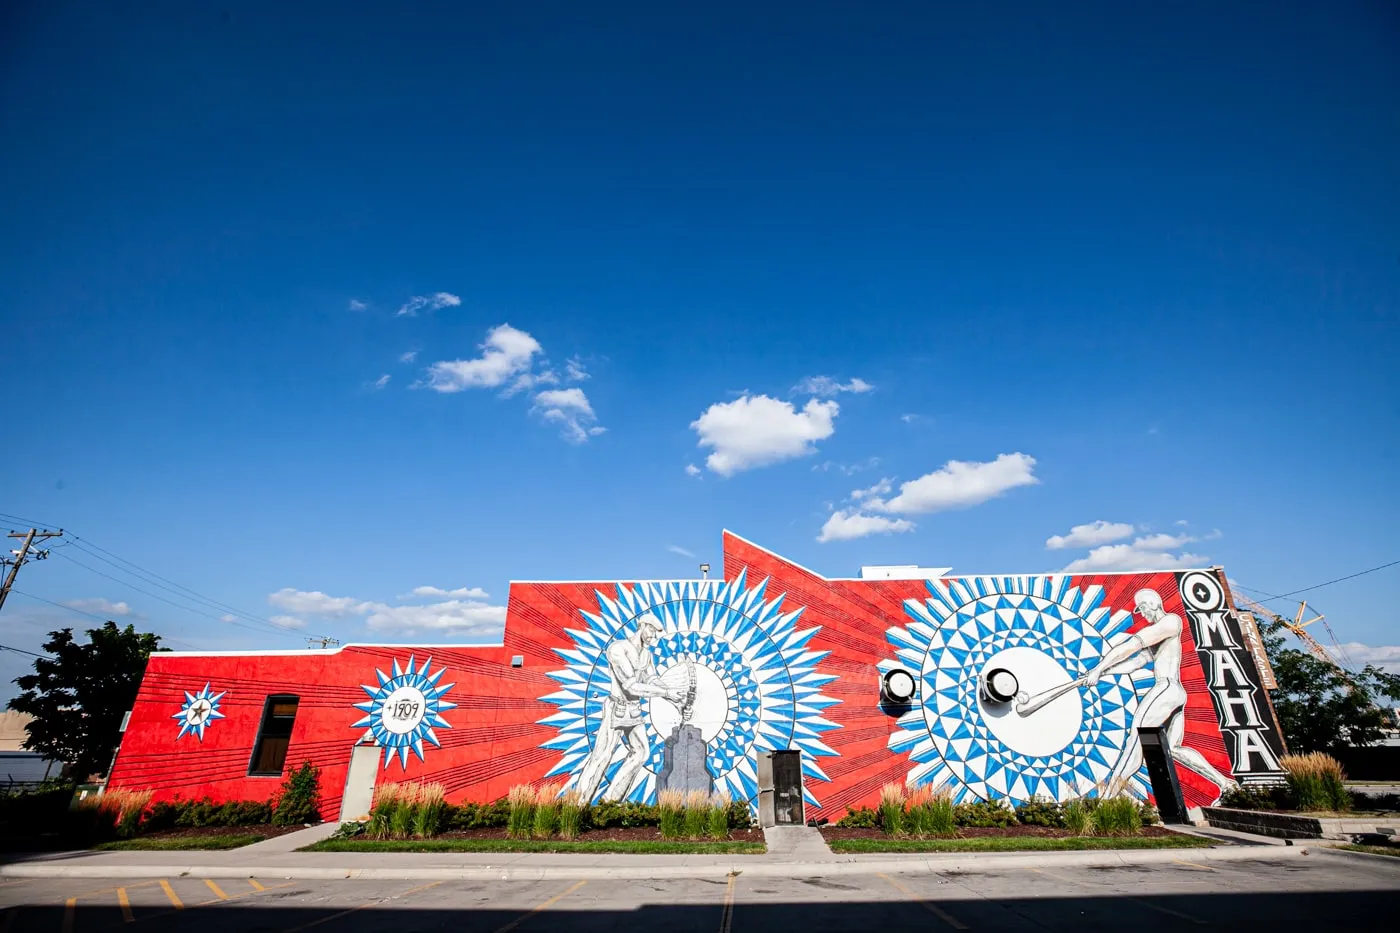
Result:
[[969, 832], [614, 834], [188, 832]]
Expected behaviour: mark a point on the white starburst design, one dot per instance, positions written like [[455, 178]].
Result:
[[751, 657], [972, 624], [404, 709], [197, 712]]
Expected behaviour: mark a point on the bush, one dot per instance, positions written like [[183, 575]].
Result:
[[929, 812], [494, 815], [860, 818], [697, 813], [570, 814], [1038, 811], [521, 801], [739, 815], [300, 800], [427, 810], [1116, 816], [718, 826], [1317, 782], [984, 813], [1148, 814], [892, 809], [671, 804], [1251, 798], [546, 811], [1076, 817], [611, 813]]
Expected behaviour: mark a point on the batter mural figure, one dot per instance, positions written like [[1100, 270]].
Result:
[[1162, 706], [634, 676]]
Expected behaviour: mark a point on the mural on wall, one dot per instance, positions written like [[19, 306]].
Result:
[[197, 712], [710, 672], [404, 709], [1070, 686]]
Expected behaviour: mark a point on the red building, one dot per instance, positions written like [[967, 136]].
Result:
[[1041, 685]]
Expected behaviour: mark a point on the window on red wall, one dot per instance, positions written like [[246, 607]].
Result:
[[275, 733]]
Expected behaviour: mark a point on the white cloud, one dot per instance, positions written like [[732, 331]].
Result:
[[910, 418], [408, 356], [1182, 522], [462, 614], [228, 618], [526, 381], [465, 592], [1162, 542], [846, 469], [381, 382], [100, 606], [574, 370], [879, 489], [506, 353], [1386, 657], [846, 524], [431, 302], [959, 484], [357, 305], [1139, 555], [677, 549], [825, 386], [692, 470], [569, 408], [754, 431], [315, 603], [1094, 533]]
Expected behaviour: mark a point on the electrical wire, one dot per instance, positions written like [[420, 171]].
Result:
[[1318, 586], [30, 653]]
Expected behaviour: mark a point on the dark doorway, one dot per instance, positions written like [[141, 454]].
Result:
[[787, 788], [1162, 772]]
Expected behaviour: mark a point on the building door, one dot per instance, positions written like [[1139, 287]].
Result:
[[787, 788], [359, 782], [1162, 772]]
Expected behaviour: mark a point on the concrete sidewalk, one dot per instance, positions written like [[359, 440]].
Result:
[[793, 858]]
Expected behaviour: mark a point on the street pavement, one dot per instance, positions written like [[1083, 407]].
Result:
[[1321, 891]]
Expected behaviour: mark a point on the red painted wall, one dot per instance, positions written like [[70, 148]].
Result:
[[495, 737]]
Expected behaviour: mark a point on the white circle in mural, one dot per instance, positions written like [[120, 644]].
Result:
[[1049, 728], [1202, 592], [403, 710], [708, 713]]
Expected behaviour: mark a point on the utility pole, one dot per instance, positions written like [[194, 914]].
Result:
[[22, 555], [325, 642]]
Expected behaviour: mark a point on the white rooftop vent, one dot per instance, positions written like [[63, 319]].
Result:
[[902, 572]]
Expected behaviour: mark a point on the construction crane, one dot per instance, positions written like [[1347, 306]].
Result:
[[1299, 628]]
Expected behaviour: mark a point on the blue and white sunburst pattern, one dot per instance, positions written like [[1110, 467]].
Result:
[[754, 649], [954, 632], [198, 711], [404, 709]]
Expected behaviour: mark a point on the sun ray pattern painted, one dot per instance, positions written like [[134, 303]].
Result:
[[404, 709], [953, 739], [764, 689], [198, 711]]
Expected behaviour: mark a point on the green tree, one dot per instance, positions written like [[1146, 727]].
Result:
[[78, 694], [1319, 708]]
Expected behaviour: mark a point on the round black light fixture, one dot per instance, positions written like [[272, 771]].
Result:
[[898, 686], [999, 685]]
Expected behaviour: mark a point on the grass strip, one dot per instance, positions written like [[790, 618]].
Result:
[[540, 845], [179, 842], [1392, 851], [1019, 844]]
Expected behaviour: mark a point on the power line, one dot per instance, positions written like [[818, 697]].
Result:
[[1318, 586], [30, 653], [93, 615]]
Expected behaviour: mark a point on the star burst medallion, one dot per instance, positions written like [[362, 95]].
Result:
[[404, 709], [197, 712]]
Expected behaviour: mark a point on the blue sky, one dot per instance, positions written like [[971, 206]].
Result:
[[1132, 264]]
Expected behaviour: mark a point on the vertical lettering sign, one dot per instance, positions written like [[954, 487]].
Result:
[[1246, 719]]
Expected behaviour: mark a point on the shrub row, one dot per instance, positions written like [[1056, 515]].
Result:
[[924, 811], [1313, 782]]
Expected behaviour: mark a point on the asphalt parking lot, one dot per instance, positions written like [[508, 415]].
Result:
[[1319, 892]]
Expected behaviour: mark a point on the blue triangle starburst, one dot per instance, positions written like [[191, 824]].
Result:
[[197, 712], [404, 709]]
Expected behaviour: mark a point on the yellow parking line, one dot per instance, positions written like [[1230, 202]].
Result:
[[934, 909], [1193, 865], [170, 893], [70, 907], [726, 920], [215, 888], [539, 907], [313, 923], [125, 905], [256, 886]]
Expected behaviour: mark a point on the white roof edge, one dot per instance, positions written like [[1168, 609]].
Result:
[[302, 652]]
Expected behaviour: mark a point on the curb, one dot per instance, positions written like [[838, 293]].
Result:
[[1364, 856], [757, 867]]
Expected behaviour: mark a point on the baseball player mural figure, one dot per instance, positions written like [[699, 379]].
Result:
[[634, 676], [1162, 707]]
